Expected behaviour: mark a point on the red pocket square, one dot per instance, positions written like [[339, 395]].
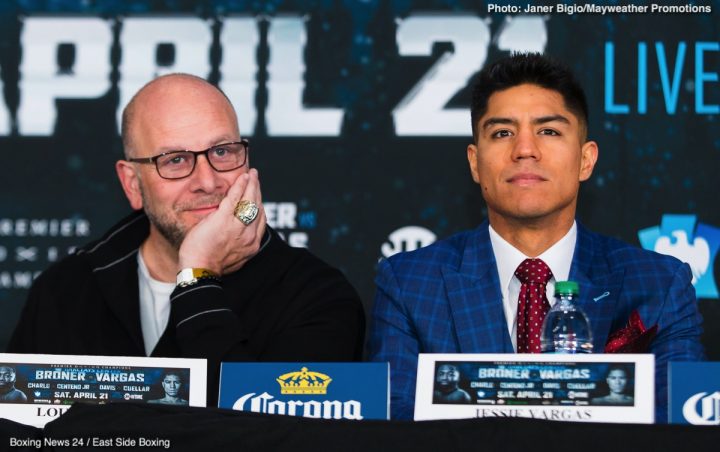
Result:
[[634, 338]]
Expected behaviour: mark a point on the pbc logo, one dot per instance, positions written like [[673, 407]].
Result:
[[697, 245], [703, 409], [408, 238]]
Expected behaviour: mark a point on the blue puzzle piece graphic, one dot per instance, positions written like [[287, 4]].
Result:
[[672, 222], [705, 285]]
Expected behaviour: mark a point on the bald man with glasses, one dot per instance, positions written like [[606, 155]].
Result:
[[195, 271]]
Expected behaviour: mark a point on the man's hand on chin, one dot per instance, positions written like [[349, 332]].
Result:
[[221, 242]]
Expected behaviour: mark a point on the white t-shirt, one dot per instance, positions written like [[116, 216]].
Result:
[[154, 305]]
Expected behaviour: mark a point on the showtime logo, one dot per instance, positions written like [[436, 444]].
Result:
[[408, 238]]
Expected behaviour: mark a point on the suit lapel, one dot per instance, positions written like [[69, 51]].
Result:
[[599, 286], [475, 299]]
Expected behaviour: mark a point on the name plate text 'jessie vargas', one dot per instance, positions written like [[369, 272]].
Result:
[[590, 388]]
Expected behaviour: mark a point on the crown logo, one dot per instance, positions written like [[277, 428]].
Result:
[[303, 382]]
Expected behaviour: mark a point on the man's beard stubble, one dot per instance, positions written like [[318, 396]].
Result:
[[171, 229]]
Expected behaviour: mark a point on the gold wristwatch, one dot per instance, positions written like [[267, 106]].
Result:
[[190, 276]]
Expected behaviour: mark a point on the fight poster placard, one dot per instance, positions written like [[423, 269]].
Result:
[[35, 389], [353, 391], [591, 388]]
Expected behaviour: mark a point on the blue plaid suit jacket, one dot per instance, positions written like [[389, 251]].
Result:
[[446, 298]]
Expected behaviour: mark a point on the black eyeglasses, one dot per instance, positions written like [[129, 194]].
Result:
[[178, 164]]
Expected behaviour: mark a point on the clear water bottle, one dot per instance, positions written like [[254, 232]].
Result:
[[566, 328]]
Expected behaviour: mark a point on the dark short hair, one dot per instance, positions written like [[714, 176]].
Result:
[[167, 374], [528, 68]]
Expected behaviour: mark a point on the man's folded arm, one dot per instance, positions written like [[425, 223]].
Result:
[[322, 321]]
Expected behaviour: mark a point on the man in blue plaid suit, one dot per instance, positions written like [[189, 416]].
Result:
[[459, 295]]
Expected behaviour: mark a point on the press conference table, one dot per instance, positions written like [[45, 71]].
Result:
[[205, 429]]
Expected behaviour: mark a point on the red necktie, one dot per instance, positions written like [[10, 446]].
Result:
[[532, 304]]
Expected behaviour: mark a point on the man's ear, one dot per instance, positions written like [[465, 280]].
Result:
[[588, 159], [130, 181], [472, 156]]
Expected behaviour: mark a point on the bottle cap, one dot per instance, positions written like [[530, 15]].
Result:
[[566, 288]]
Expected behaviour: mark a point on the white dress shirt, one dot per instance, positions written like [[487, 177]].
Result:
[[558, 257]]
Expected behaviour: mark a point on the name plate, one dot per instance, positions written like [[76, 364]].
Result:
[[694, 393], [583, 388], [316, 390], [35, 389]]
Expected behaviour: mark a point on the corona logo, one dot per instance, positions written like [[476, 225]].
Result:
[[304, 382], [326, 409], [703, 409]]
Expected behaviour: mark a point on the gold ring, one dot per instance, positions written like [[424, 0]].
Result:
[[246, 211]]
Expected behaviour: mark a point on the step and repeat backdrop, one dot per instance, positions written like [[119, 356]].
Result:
[[357, 113]]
